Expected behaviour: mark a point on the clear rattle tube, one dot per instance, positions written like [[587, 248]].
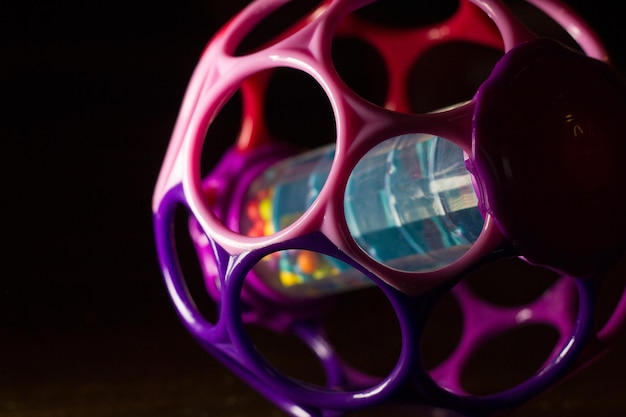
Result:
[[409, 204]]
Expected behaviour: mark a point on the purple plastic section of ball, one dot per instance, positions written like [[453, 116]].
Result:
[[228, 340]]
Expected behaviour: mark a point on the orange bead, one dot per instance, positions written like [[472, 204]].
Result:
[[307, 261]]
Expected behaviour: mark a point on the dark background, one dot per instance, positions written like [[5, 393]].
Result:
[[90, 92]]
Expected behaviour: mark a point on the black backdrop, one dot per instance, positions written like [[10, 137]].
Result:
[[90, 92]]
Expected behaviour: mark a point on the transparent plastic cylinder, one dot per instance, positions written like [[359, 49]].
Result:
[[409, 204]]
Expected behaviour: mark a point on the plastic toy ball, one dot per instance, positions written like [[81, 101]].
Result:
[[404, 193]]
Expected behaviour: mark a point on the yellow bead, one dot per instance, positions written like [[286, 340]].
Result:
[[265, 209], [288, 278]]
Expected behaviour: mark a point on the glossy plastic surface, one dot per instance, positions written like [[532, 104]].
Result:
[[575, 148]]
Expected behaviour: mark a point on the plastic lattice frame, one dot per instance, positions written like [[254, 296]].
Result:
[[521, 204]]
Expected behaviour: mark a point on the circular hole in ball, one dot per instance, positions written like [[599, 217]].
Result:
[[410, 203], [350, 317], [265, 109]]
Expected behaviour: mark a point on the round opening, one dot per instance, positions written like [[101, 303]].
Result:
[[266, 111], [349, 340], [410, 203]]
